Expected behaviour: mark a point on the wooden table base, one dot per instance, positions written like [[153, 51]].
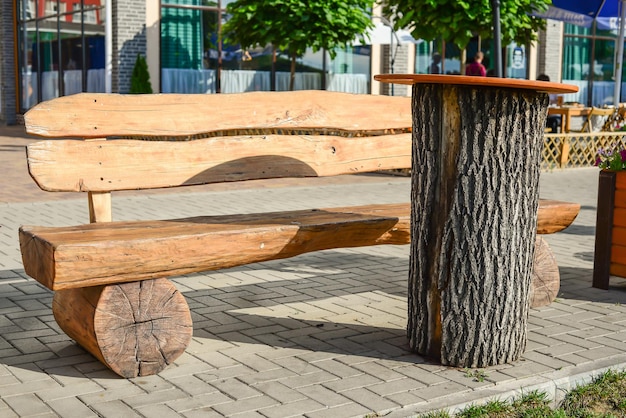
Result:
[[476, 160]]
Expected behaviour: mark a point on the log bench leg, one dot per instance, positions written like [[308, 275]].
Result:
[[546, 279], [135, 329]]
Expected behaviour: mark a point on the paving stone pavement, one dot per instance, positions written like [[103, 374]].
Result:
[[318, 335]]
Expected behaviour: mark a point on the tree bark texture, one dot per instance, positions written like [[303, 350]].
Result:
[[475, 175], [135, 329]]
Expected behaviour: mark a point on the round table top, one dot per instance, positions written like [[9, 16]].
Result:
[[515, 83]]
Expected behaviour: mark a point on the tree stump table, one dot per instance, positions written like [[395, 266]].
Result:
[[477, 145]]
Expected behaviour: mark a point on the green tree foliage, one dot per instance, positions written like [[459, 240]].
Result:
[[140, 79], [295, 25], [457, 21]]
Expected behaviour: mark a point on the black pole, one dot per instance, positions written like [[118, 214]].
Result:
[[324, 69], [83, 47], [591, 60], [218, 72], [495, 5], [392, 54], [60, 69]]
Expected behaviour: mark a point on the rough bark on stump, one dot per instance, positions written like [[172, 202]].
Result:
[[475, 175], [135, 329]]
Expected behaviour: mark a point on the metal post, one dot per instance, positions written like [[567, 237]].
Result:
[[620, 55], [83, 46], [60, 69], [220, 45], [108, 48], [392, 54], [495, 5]]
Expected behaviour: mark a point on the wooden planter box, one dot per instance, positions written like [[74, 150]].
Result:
[[610, 247]]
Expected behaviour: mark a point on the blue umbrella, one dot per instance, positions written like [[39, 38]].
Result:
[[608, 14], [584, 12]]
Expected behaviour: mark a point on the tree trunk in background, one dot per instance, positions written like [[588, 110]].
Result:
[[292, 75], [476, 154], [463, 60]]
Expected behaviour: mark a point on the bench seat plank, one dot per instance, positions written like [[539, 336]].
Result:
[[113, 252], [555, 215]]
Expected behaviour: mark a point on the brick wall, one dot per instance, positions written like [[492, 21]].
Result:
[[400, 66], [7, 64], [550, 49], [129, 39]]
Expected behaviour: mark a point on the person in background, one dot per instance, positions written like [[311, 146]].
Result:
[[476, 67], [434, 66], [554, 121]]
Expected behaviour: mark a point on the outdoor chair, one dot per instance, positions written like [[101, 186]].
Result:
[[599, 119]]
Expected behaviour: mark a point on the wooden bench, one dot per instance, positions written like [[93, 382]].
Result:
[[112, 294]]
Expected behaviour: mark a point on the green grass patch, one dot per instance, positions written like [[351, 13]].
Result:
[[604, 397]]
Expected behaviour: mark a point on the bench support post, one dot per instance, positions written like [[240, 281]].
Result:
[[100, 209]]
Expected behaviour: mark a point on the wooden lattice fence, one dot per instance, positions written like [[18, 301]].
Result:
[[578, 149]]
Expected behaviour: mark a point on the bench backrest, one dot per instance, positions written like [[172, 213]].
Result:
[[168, 140]]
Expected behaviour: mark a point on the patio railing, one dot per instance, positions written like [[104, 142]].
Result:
[[578, 149]]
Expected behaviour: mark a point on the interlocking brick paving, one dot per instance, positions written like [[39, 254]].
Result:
[[318, 335]]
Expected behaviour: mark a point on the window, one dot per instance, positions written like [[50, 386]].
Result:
[[445, 57], [51, 7], [516, 66], [427, 59], [189, 46], [58, 53], [588, 61], [193, 61]]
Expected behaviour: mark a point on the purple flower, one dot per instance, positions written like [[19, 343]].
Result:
[[612, 159]]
